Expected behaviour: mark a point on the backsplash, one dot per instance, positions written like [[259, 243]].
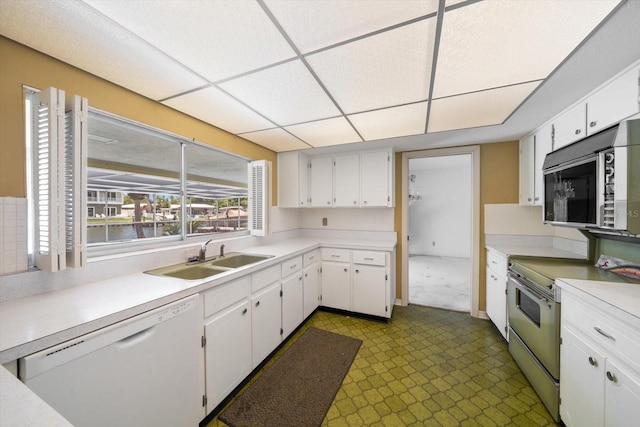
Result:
[[13, 235]]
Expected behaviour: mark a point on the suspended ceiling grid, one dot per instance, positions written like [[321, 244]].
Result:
[[300, 74]]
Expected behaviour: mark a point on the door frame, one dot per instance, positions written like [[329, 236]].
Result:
[[474, 151]]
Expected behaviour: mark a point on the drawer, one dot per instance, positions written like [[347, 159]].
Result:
[[310, 257], [333, 254], [497, 262], [369, 258], [292, 265], [224, 295], [265, 277], [612, 335]]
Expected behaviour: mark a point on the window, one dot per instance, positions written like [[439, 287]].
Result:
[[141, 185]]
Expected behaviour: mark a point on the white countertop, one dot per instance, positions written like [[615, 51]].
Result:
[[34, 323], [534, 251], [623, 296]]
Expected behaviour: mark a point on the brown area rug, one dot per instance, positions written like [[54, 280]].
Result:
[[298, 389]]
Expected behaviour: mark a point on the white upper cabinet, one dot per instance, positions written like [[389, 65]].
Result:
[[614, 102], [533, 150], [527, 158], [321, 182], [346, 181], [376, 179], [293, 180]]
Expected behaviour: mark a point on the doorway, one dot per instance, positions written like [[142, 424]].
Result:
[[450, 240], [440, 232]]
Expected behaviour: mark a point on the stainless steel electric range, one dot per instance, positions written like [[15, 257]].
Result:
[[533, 304]]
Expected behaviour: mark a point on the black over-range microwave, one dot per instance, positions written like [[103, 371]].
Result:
[[595, 182]]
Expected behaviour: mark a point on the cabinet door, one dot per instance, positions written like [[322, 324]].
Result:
[[266, 321], [346, 178], [622, 397], [228, 352], [542, 148], [570, 126], [614, 102], [289, 185], [311, 288], [321, 181], [582, 387], [336, 285], [527, 159], [497, 301], [376, 179], [292, 303], [370, 290]]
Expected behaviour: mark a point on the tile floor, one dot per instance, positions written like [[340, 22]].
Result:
[[443, 282], [427, 367]]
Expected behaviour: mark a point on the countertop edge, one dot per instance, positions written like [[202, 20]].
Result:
[[625, 297]]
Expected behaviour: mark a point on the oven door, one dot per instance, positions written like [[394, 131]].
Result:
[[536, 320]]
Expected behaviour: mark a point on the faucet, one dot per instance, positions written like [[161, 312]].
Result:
[[221, 251], [203, 251]]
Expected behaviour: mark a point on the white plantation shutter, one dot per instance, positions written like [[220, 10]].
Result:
[[259, 197], [48, 160], [75, 178]]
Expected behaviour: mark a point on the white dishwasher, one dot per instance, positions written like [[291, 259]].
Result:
[[143, 371]]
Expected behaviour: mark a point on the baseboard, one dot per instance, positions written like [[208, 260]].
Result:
[[483, 315]]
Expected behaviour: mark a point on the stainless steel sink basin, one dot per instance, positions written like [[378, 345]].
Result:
[[204, 269], [237, 259]]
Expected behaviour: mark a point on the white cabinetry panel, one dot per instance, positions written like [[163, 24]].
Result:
[[346, 181], [376, 179], [321, 182]]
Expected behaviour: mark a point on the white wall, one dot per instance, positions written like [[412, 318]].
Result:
[[443, 216]]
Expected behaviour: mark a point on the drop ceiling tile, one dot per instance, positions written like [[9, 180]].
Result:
[[285, 94], [391, 122], [497, 43], [313, 25], [82, 37], [213, 106], [276, 140], [322, 133], [486, 108], [380, 71], [218, 39]]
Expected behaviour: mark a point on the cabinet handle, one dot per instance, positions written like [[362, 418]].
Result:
[[355, 203], [592, 124], [335, 256], [536, 198], [364, 202], [257, 303], [578, 131], [357, 271], [300, 278], [528, 199], [603, 333], [305, 274], [293, 266], [311, 258], [345, 270], [592, 361], [244, 311], [611, 377], [329, 202]]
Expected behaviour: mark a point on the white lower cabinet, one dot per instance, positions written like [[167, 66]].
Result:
[[228, 355], [599, 365], [292, 296], [496, 287], [311, 282], [266, 322], [357, 281]]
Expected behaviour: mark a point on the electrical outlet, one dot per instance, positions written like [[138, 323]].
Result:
[[324, 221]]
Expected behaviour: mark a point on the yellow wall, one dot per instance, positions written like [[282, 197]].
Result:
[[499, 169], [21, 65]]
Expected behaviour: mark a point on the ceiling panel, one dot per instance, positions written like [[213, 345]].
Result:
[[217, 39], [496, 43], [276, 140], [312, 25], [75, 33], [322, 133], [489, 107], [213, 106], [286, 94], [391, 122], [384, 70]]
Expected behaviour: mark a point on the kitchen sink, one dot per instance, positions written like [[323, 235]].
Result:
[[208, 268], [237, 259]]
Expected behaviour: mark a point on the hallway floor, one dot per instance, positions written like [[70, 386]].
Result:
[[427, 367], [442, 282]]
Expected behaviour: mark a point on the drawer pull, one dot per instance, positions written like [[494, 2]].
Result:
[[368, 259], [244, 311], [603, 333], [592, 361], [335, 256], [311, 257], [257, 303], [611, 377], [345, 270], [293, 266]]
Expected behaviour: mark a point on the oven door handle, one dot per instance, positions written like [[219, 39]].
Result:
[[531, 294]]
